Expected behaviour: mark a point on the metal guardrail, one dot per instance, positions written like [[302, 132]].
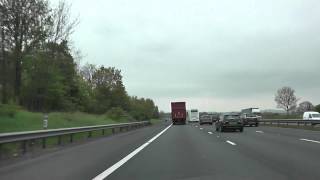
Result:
[[26, 136], [297, 122]]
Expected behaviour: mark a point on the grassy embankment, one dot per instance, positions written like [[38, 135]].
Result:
[[13, 119], [26, 121]]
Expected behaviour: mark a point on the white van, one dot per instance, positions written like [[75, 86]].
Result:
[[311, 115], [193, 115]]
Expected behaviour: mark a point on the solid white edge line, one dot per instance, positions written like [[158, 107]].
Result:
[[232, 143], [114, 167], [309, 140]]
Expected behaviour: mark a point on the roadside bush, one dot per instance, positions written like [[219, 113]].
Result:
[[8, 110], [117, 113]]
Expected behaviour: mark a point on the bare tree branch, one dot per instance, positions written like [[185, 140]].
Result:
[[286, 99], [63, 26]]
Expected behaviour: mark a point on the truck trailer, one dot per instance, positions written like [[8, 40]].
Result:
[[178, 113]]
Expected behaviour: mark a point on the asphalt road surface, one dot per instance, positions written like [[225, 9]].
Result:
[[189, 152]]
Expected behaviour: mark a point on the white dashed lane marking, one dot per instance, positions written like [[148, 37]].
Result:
[[117, 165], [232, 143], [309, 140]]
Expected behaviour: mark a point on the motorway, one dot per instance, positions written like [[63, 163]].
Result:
[[188, 152]]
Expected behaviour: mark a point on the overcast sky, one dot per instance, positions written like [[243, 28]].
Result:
[[217, 55]]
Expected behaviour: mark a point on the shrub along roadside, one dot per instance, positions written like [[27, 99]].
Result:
[[8, 110], [118, 114]]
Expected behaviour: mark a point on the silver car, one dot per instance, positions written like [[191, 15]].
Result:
[[205, 119]]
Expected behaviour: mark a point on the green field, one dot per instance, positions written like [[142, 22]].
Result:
[[26, 121], [281, 116]]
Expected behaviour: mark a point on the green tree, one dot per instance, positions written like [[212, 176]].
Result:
[[143, 109], [109, 90], [50, 81], [25, 24], [317, 108], [42, 86]]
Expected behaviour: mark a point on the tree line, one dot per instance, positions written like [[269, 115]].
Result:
[[39, 69], [287, 100]]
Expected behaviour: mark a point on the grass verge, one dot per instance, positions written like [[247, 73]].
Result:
[[27, 121], [155, 121]]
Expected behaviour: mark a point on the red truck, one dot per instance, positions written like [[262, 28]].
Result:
[[178, 112]]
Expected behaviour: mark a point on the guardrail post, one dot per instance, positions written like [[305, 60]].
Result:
[[113, 130], [0, 151], [103, 132], [120, 129], [24, 146], [59, 140], [71, 138], [90, 134], [43, 143]]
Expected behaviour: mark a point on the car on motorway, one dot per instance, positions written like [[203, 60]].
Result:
[[215, 117], [205, 119], [311, 115], [249, 119], [229, 121]]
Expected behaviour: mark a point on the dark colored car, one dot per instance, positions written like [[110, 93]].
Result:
[[205, 119], [215, 117], [229, 121], [250, 119]]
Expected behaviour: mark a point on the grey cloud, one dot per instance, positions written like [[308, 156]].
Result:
[[205, 49]]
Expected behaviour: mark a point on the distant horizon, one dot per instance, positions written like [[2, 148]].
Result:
[[263, 110]]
